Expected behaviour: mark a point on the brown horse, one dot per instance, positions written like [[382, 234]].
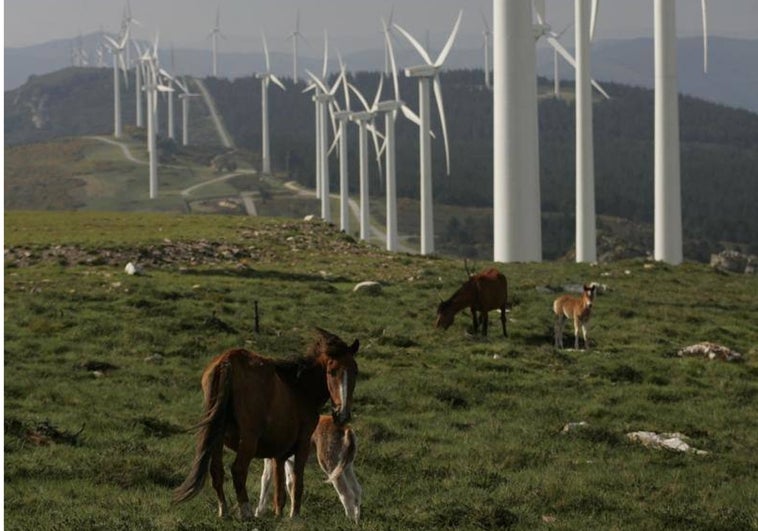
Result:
[[266, 408], [482, 293]]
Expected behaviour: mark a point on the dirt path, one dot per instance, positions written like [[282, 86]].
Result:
[[376, 232], [124, 148]]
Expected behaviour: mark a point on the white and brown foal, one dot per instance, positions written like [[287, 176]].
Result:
[[335, 449], [577, 309]]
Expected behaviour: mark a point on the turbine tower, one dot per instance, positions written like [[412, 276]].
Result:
[[117, 49], [265, 78], [185, 97], [425, 73], [152, 87], [214, 35], [170, 79], [668, 200], [517, 221], [138, 85]]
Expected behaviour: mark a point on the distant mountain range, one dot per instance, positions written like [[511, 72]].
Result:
[[732, 78]]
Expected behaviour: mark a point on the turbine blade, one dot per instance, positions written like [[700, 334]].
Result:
[[110, 42], [704, 9], [334, 142], [378, 92], [484, 21], [360, 96], [377, 150], [317, 81], [600, 89], [414, 43], [561, 50], [449, 44], [326, 55], [593, 18], [413, 117], [265, 52], [441, 110], [277, 81], [345, 84], [539, 9], [393, 65]]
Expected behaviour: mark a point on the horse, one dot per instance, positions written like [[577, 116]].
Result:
[[335, 449], [261, 407], [483, 292], [575, 308]]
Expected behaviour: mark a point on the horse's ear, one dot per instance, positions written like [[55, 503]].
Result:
[[353, 349]]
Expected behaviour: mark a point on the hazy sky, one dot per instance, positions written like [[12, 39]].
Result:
[[351, 23]]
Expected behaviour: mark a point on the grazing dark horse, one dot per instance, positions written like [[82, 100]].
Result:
[[266, 408], [482, 293]]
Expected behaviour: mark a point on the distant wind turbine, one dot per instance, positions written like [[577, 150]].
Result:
[[127, 22], [138, 85], [117, 48], [185, 97], [214, 35], [487, 34], [425, 73], [152, 87], [265, 78], [295, 35]]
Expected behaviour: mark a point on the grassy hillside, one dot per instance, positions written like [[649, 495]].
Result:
[[102, 378]]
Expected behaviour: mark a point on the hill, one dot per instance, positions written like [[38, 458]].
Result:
[[102, 375], [719, 152]]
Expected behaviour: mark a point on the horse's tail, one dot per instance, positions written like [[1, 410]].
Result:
[[217, 387], [347, 454]]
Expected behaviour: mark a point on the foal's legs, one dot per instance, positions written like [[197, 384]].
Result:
[[349, 475], [347, 496], [558, 332], [217, 477], [584, 334], [266, 477], [576, 333], [279, 483]]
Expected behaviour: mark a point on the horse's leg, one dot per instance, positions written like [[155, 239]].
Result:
[[476, 322], [576, 333], [485, 322], [217, 478], [356, 489], [584, 334], [503, 320], [345, 492], [301, 457], [266, 477], [241, 464], [289, 469], [558, 332], [280, 498]]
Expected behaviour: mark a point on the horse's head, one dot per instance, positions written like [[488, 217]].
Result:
[[341, 372], [445, 315], [588, 294]]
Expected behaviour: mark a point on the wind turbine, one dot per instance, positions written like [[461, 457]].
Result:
[[294, 36], [126, 24], [138, 85], [117, 48], [152, 87], [342, 117], [487, 34], [170, 79], [214, 35], [668, 200], [364, 119], [425, 73], [265, 78], [185, 99], [386, 29]]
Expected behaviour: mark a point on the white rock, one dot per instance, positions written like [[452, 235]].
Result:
[[368, 286]]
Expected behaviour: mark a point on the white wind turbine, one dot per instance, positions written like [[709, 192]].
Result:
[[126, 24], [152, 87], [265, 78], [516, 196], [214, 35], [185, 97], [138, 85], [585, 15], [295, 35], [117, 49], [364, 120], [170, 79], [668, 200], [386, 29], [342, 117], [425, 73], [487, 34]]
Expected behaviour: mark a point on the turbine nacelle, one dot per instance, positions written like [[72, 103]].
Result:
[[422, 71]]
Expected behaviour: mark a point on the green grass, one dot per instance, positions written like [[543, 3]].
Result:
[[454, 431]]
